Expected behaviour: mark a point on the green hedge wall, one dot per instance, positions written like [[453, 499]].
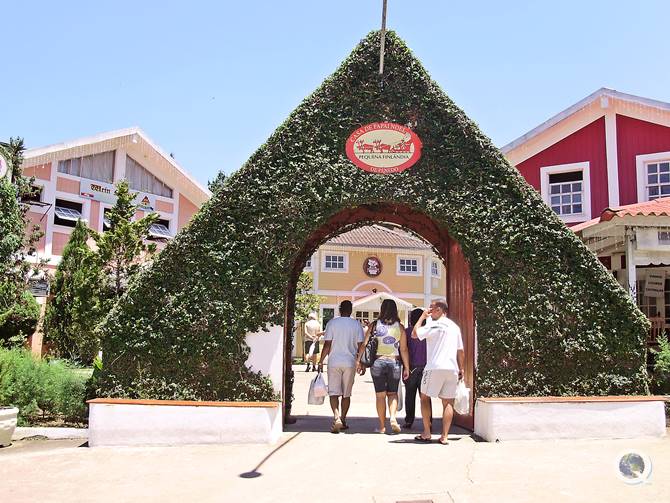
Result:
[[551, 320]]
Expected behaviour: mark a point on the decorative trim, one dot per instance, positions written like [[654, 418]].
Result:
[[182, 403], [640, 162], [545, 171], [612, 154]]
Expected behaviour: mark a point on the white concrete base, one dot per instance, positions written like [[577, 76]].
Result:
[[7, 424], [154, 422], [52, 433], [569, 417]]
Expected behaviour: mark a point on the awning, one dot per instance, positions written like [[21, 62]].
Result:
[[159, 231], [67, 214]]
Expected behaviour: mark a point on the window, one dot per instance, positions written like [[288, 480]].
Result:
[[160, 230], [335, 263], [566, 192], [566, 189], [94, 167], [434, 269], [658, 179], [139, 178], [646, 304], [67, 213], [664, 237], [34, 196], [106, 222], [327, 314], [408, 265], [308, 264], [363, 316]]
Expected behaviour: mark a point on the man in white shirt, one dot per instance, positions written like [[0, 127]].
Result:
[[444, 366], [312, 335], [343, 339]]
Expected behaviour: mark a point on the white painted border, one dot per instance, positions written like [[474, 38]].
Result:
[[584, 166], [439, 268], [419, 265], [544, 420], [333, 254], [52, 433], [640, 163], [612, 155]]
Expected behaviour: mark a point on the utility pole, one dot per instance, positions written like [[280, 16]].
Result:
[[383, 39]]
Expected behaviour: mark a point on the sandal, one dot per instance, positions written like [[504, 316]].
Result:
[[443, 441], [422, 440], [345, 426], [336, 427], [380, 430], [395, 427]]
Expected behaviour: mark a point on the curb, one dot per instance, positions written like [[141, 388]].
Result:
[[52, 433]]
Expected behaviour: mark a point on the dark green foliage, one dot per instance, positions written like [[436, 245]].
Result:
[[41, 390], [305, 302], [76, 306], [550, 319], [661, 377], [19, 314]]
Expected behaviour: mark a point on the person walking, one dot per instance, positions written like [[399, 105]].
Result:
[[342, 342], [312, 335], [417, 362], [386, 369], [444, 366]]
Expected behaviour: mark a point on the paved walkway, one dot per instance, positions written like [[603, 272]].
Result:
[[312, 465]]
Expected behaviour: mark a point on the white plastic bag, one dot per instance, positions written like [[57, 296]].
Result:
[[312, 347], [462, 400], [401, 398], [316, 395]]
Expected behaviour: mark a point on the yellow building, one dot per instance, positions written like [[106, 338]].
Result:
[[372, 263]]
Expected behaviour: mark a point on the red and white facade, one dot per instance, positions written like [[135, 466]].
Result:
[[603, 165], [77, 179]]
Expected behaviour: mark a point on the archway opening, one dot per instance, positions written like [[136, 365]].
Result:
[[457, 287]]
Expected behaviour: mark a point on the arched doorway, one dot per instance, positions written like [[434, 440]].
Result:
[[458, 292]]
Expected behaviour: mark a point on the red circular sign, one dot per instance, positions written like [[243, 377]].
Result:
[[372, 266], [383, 147]]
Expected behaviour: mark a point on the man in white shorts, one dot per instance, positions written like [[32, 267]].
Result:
[[342, 341], [444, 366]]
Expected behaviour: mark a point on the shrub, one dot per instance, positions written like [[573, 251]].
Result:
[[19, 313], [661, 377], [41, 390]]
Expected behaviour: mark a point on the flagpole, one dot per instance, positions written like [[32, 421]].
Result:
[[383, 40]]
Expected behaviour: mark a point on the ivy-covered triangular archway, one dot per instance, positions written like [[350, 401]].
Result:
[[550, 319]]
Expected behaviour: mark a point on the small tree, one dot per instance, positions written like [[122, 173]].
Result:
[[19, 311], [120, 248], [76, 306], [305, 301]]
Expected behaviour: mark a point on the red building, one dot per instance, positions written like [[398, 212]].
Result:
[[603, 165]]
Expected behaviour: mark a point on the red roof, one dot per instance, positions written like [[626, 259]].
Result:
[[657, 207], [378, 236]]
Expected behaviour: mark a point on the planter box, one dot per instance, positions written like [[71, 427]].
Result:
[[7, 424], [601, 417], [167, 422]]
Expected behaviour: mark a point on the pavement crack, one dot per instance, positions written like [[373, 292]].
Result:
[[451, 498], [468, 467]]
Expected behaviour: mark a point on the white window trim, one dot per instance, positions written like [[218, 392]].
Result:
[[419, 265], [309, 268], [336, 314], [329, 253], [640, 163], [584, 167], [439, 269]]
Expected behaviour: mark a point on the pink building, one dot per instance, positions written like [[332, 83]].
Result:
[[76, 180]]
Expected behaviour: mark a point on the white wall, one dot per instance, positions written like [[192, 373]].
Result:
[[267, 353]]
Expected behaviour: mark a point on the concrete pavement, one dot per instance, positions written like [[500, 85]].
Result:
[[311, 464]]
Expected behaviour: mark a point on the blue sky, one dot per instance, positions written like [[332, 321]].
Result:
[[210, 81]]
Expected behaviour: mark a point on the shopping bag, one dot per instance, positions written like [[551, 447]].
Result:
[[320, 387], [313, 398], [312, 347], [401, 397], [462, 399]]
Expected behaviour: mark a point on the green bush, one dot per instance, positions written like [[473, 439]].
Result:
[[19, 313], [661, 377], [41, 390]]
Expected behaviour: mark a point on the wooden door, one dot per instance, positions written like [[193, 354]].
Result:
[[461, 310]]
